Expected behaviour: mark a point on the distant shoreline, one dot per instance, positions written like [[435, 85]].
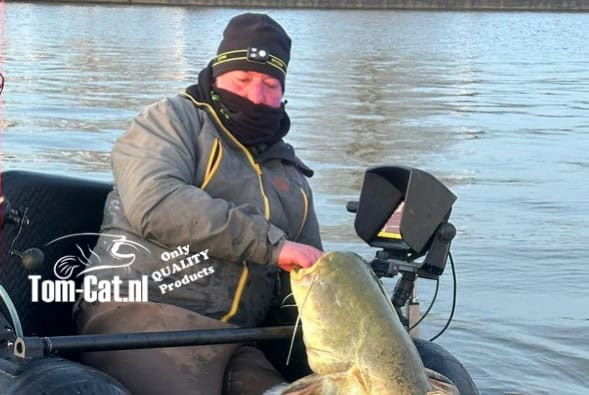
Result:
[[465, 5]]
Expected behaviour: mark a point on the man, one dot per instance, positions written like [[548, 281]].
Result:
[[221, 203]]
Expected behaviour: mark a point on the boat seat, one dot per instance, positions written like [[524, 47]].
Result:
[[56, 206]]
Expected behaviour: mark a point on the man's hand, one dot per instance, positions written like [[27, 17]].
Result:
[[296, 255]]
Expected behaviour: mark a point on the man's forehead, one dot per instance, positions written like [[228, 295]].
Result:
[[248, 73]]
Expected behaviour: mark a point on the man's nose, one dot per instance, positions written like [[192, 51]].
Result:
[[255, 92]]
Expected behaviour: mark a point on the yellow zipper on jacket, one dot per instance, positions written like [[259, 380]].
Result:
[[238, 294], [248, 154], [213, 163], [305, 212]]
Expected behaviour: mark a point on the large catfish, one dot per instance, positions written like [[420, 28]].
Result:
[[355, 342]]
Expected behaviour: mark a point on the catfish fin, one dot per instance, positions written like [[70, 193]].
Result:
[[313, 384], [441, 385]]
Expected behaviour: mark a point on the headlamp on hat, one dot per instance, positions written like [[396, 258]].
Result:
[[252, 54], [257, 55]]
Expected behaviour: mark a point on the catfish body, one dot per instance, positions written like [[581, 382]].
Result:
[[355, 342]]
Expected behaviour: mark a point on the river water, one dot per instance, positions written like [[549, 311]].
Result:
[[496, 105]]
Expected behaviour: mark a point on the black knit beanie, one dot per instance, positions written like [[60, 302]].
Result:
[[253, 42]]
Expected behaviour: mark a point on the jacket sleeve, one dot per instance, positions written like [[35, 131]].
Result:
[[154, 167]]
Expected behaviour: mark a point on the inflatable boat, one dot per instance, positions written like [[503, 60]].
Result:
[[39, 347]]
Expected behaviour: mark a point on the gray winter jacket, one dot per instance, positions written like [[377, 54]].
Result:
[[183, 183]]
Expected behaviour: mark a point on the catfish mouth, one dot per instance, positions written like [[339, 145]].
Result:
[[298, 274]]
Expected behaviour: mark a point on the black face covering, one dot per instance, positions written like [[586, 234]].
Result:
[[252, 124]]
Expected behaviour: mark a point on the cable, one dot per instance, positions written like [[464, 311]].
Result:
[[11, 311], [453, 301], [430, 306]]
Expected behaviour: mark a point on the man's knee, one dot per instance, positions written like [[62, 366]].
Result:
[[250, 373]]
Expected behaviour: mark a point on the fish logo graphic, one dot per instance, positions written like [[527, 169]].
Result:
[[121, 249]]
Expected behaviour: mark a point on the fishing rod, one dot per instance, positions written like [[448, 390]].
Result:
[[33, 347]]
